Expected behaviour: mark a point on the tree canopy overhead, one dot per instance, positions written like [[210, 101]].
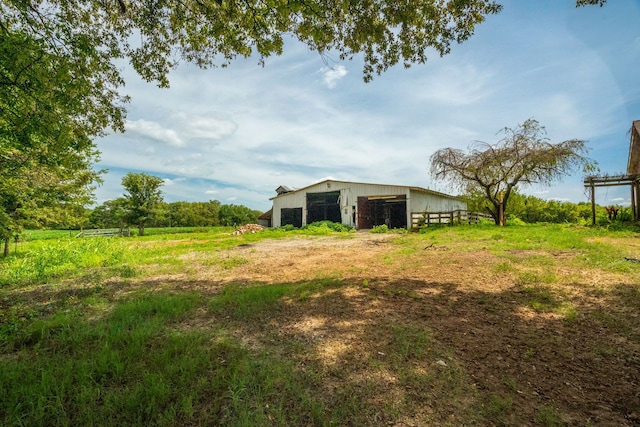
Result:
[[155, 35], [524, 156]]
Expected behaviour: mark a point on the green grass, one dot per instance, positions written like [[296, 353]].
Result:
[[144, 362], [534, 245], [548, 416], [255, 301], [138, 366], [498, 406], [87, 338], [45, 260], [30, 235]]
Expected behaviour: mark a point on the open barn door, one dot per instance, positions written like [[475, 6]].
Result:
[[323, 207], [382, 210]]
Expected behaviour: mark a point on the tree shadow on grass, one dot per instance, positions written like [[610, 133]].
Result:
[[333, 352], [436, 353]]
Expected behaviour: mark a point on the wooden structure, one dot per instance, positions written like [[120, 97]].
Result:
[[265, 219], [459, 216], [631, 178]]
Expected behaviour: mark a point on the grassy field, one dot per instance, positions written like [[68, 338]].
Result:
[[531, 325]]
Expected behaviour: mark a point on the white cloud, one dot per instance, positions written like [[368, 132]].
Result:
[[170, 182], [204, 126], [154, 131], [331, 75]]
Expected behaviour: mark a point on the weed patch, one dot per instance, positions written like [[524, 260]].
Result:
[[63, 258], [254, 301]]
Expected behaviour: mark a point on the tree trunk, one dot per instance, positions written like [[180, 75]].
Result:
[[501, 210], [141, 230], [6, 248], [495, 214]]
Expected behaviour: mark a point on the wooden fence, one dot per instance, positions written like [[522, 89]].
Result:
[[106, 232], [425, 219]]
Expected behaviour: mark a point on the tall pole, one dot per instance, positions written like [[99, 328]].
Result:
[[635, 200], [634, 208], [593, 204]]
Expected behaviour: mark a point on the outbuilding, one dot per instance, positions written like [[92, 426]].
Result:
[[358, 205], [632, 177]]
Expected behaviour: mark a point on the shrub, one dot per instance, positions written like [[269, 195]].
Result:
[[380, 229], [287, 227], [514, 220], [332, 226]]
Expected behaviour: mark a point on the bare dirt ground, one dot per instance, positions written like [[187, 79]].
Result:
[[495, 360]]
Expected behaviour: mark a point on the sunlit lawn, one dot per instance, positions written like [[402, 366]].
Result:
[[87, 339]]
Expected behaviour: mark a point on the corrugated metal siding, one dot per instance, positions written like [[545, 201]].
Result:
[[424, 201], [288, 200]]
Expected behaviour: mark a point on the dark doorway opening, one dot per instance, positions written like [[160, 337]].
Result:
[[379, 210], [291, 216], [323, 207]]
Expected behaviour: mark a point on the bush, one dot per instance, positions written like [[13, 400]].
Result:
[[332, 226], [625, 215], [514, 220], [380, 229], [287, 227]]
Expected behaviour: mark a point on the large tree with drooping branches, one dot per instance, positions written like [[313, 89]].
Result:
[[524, 156]]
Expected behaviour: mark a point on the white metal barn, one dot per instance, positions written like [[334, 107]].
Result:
[[359, 205]]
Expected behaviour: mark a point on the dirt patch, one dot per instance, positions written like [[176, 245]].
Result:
[[579, 367], [494, 351]]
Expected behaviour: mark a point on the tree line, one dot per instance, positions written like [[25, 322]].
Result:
[[113, 214], [530, 209], [142, 206]]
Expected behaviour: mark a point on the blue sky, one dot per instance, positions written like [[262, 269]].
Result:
[[236, 134]]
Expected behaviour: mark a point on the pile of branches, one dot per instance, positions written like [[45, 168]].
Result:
[[248, 228]]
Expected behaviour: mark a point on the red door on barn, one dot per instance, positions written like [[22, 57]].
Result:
[[365, 219]]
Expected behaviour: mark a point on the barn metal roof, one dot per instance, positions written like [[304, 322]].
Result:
[[283, 189], [419, 189], [266, 215]]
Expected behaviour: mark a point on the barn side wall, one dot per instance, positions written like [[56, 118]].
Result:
[[421, 202]]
